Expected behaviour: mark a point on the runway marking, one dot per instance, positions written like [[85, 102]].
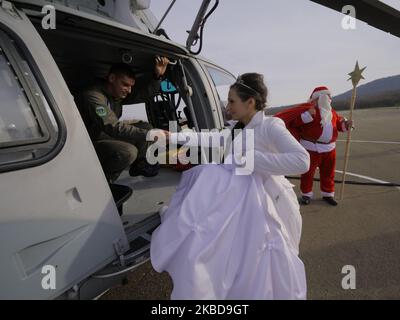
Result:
[[364, 141], [365, 177]]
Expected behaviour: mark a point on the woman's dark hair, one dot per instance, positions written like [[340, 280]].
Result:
[[251, 85]]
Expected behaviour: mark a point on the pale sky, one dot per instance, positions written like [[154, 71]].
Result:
[[296, 44]]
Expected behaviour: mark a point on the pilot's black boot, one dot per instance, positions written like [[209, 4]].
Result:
[[145, 169]]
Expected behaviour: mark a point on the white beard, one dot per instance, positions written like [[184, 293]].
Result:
[[325, 108]]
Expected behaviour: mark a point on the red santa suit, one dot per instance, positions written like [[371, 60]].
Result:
[[317, 134]]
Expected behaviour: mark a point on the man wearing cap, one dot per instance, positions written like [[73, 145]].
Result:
[[316, 125]]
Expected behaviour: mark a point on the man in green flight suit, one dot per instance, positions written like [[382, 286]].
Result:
[[120, 144]]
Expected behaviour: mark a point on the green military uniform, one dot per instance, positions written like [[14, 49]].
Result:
[[118, 143]]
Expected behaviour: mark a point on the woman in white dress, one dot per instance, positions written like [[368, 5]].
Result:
[[230, 236]]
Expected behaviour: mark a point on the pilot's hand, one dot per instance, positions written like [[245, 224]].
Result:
[[161, 64]]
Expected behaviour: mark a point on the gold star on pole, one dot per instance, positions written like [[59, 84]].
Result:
[[356, 75]]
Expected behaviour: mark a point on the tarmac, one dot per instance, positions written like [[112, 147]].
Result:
[[351, 251]]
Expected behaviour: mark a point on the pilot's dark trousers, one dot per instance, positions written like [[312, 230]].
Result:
[[116, 155]]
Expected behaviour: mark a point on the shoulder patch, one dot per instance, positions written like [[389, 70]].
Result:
[[101, 111]]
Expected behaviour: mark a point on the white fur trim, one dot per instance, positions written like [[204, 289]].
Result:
[[325, 108], [306, 117], [327, 194], [317, 94], [317, 147], [308, 194], [327, 133]]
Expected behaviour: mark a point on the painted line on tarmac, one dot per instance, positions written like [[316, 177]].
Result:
[[363, 141], [365, 177]]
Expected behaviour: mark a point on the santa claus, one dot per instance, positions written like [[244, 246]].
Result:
[[316, 124]]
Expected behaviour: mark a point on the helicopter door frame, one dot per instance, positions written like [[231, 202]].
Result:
[[58, 213]]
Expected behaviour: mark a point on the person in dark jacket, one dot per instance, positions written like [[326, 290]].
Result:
[[120, 143]]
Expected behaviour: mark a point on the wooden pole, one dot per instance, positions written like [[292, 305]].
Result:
[[348, 140], [355, 77]]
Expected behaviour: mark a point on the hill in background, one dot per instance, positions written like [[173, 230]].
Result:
[[384, 92]]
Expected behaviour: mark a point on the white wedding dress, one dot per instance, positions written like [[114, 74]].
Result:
[[229, 236]]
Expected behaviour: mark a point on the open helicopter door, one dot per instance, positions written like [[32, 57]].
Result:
[[58, 221]]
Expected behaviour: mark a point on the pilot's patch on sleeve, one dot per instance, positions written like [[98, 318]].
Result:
[[101, 111]]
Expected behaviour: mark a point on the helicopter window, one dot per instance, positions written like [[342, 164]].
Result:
[[29, 131], [18, 121], [222, 81]]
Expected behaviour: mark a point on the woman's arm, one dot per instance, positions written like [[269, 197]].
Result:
[[291, 158]]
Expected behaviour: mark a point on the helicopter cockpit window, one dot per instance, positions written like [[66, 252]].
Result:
[[222, 81]]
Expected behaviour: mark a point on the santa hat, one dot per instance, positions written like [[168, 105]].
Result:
[[319, 91]]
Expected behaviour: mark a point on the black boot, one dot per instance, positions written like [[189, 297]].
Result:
[[144, 169], [330, 200], [304, 200]]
